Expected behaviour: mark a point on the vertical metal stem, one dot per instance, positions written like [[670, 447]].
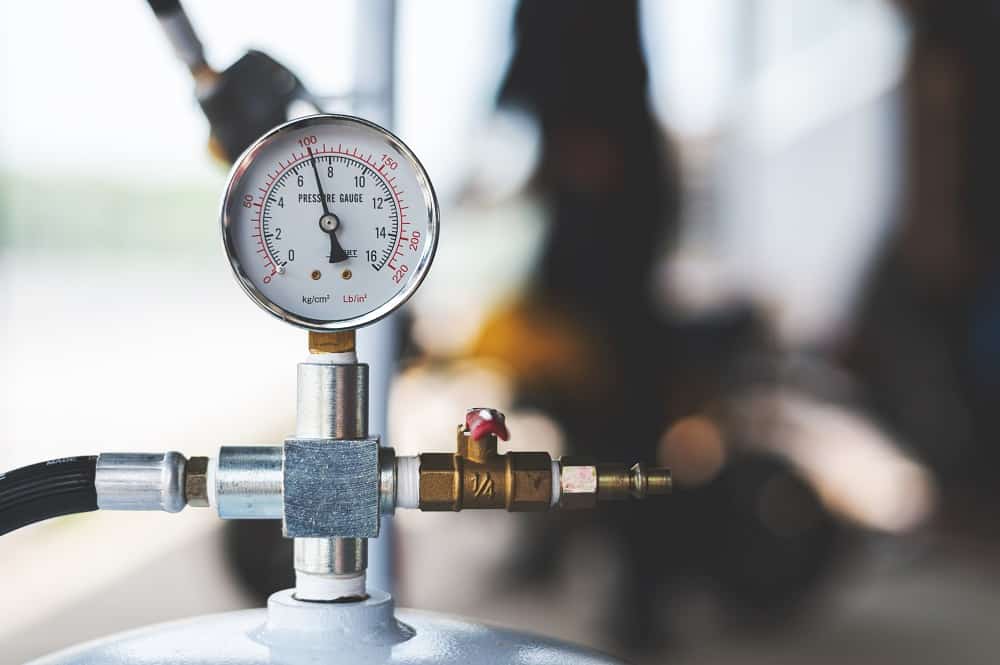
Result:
[[332, 400], [332, 404]]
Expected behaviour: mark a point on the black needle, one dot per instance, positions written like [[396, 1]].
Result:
[[328, 223]]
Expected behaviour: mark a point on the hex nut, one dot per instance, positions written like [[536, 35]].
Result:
[[196, 482], [440, 482], [578, 484]]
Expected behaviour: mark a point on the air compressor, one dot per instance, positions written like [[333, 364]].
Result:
[[329, 223]]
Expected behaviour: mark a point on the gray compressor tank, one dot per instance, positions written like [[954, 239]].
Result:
[[293, 632]]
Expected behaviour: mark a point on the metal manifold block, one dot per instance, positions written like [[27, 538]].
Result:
[[331, 488]]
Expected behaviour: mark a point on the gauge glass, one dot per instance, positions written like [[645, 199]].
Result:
[[330, 222]]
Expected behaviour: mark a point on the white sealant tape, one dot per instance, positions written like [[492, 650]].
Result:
[[408, 482]]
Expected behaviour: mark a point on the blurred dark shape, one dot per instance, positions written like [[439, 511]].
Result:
[[926, 344], [590, 347], [579, 68], [766, 533], [241, 103], [248, 99], [260, 557]]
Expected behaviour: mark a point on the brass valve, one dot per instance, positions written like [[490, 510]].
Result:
[[477, 476]]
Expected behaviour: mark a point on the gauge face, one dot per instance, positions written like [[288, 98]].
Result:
[[330, 222]]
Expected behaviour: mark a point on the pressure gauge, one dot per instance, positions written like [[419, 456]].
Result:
[[330, 222]]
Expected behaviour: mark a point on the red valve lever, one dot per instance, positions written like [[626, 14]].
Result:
[[480, 422]]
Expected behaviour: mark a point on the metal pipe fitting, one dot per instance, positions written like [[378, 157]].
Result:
[[249, 483], [332, 403], [331, 488], [331, 556], [617, 483], [141, 481], [387, 481], [331, 569]]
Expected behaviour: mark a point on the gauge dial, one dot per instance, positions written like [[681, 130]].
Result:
[[330, 222]]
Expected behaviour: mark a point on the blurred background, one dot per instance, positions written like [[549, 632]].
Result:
[[752, 240]]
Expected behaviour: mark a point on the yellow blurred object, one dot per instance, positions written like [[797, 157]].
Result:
[[542, 347], [216, 150]]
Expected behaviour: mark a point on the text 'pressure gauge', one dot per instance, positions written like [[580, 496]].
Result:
[[329, 222]]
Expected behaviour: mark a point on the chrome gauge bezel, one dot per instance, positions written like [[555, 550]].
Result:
[[326, 120]]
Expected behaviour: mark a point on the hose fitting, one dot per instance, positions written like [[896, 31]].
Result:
[[141, 481]]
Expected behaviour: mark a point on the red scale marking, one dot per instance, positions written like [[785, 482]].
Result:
[[282, 167]]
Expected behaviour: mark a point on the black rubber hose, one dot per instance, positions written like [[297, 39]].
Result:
[[45, 490], [165, 7]]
